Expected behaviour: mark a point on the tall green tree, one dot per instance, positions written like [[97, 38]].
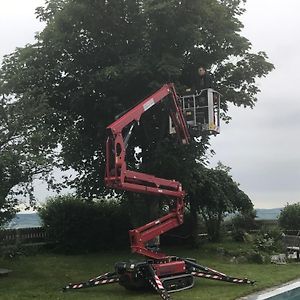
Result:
[[289, 218], [213, 195], [95, 59], [24, 153]]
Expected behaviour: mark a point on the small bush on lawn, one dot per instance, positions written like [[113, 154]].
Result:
[[241, 224], [75, 225], [269, 240], [257, 257]]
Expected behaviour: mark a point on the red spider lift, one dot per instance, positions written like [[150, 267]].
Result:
[[165, 274]]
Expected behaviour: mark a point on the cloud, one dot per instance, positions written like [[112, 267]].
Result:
[[262, 145], [18, 24]]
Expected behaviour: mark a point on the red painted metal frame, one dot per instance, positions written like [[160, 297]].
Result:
[[118, 177]]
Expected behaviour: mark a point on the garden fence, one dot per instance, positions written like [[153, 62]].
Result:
[[23, 235]]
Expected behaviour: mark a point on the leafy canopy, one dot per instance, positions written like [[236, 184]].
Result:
[[95, 59]]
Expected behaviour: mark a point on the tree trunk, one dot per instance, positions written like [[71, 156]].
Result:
[[194, 224]]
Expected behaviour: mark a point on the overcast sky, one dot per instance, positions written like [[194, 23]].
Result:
[[260, 145]]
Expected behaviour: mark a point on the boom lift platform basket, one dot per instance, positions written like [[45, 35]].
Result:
[[191, 116], [201, 112]]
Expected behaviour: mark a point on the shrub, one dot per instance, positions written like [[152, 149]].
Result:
[[256, 257], [186, 234], [75, 225], [269, 239], [289, 218], [241, 224]]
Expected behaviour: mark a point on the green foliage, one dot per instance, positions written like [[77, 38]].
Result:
[[269, 240], [289, 218], [24, 150], [214, 194], [95, 59], [256, 257], [185, 234], [265, 243], [74, 225], [240, 252], [238, 235], [241, 224], [11, 251]]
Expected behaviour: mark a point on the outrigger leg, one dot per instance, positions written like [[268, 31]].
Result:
[[156, 283], [107, 278], [204, 272]]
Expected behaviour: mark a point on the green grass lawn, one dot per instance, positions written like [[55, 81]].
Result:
[[42, 276]]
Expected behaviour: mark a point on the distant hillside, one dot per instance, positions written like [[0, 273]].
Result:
[[268, 213]]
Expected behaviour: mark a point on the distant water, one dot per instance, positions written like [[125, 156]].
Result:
[[25, 221], [268, 213]]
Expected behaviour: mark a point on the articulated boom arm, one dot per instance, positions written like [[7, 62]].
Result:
[[118, 177], [165, 274]]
